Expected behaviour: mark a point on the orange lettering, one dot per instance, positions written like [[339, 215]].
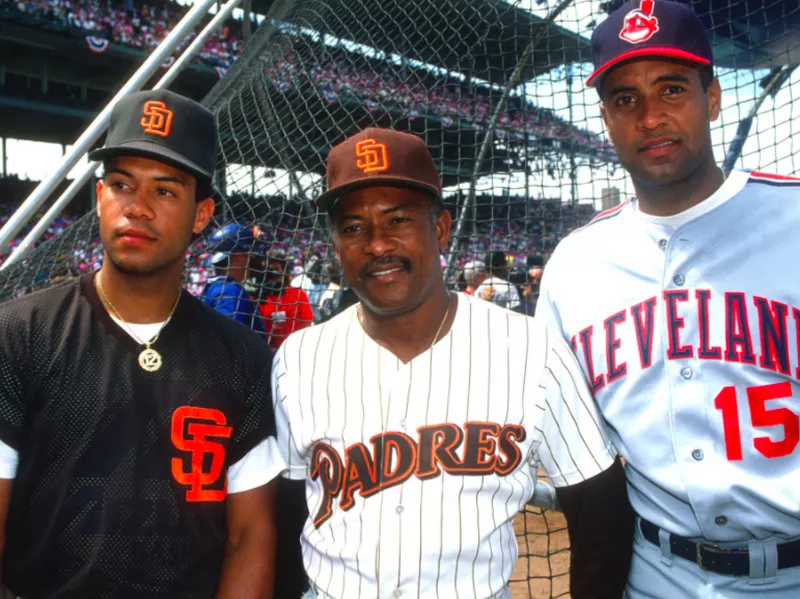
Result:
[[195, 440]]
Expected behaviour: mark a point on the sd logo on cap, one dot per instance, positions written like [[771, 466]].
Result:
[[164, 126]]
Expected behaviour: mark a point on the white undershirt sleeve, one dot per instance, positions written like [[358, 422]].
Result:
[[9, 458], [296, 466], [259, 466]]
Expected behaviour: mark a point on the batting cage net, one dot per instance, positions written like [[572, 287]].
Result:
[[496, 90]]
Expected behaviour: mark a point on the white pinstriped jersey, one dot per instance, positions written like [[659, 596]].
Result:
[[414, 472], [687, 328]]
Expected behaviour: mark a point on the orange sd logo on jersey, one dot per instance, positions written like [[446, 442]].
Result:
[[485, 448], [372, 157], [192, 430], [156, 118]]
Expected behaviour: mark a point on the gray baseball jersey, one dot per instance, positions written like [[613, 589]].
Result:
[[687, 329]]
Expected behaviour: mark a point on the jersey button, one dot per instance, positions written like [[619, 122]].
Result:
[[397, 593], [662, 243], [686, 373], [678, 280], [399, 509], [721, 520], [697, 454], [403, 423]]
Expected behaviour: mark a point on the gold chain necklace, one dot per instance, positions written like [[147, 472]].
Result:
[[149, 359], [446, 314], [360, 314]]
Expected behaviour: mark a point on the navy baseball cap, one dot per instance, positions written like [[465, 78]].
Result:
[[657, 28], [233, 237], [163, 126]]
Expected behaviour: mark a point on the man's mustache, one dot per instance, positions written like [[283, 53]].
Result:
[[376, 263]]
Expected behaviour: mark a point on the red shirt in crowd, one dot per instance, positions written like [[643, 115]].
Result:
[[284, 314]]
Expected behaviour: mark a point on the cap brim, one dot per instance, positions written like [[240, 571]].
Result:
[[147, 149], [327, 199], [656, 51]]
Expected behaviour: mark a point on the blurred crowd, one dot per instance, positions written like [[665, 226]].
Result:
[[141, 26], [420, 93], [290, 279]]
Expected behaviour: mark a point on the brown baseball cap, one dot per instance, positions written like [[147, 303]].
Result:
[[379, 157]]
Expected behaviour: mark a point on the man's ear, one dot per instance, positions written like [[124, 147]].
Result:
[[203, 211], [444, 223], [98, 189], [335, 247], [604, 115], [714, 99]]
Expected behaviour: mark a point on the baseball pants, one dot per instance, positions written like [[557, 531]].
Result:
[[656, 574]]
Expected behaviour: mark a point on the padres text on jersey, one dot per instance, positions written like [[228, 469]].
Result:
[[416, 471]]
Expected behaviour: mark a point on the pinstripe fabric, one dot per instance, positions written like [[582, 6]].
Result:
[[445, 532]]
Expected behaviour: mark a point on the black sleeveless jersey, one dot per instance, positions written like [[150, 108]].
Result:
[[121, 484]]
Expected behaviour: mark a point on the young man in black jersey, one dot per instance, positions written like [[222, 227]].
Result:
[[136, 427]]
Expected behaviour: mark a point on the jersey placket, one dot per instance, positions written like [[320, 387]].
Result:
[[395, 383], [696, 459]]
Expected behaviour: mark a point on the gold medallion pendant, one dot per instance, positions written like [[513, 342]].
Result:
[[150, 360]]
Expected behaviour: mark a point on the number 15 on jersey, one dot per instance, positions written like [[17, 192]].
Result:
[[727, 402]]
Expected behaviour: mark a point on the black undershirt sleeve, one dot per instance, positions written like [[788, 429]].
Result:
[[292, 512], [601, 522]]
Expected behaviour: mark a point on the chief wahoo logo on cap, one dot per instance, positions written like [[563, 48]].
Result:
[[640, 24]]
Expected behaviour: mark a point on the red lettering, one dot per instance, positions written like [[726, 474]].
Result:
[[595, 382], [774, 335], [612, 345], [704, 352], [738, 343], [675, 323], [643, 324]]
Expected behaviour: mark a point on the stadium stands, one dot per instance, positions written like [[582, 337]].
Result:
[[537, 234], [419, 93], [138, 26]]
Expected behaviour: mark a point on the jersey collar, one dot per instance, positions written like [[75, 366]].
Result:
[[733, 185], [99, 311]]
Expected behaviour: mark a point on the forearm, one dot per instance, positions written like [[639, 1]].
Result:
[[601, 523], [248, 571]]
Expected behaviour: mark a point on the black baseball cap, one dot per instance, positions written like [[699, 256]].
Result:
[[654, 28], [164, 126]]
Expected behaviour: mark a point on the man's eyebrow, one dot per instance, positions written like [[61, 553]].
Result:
[[165, 178], [672, 77], [394, 208], [668, 78], [619, 89], [171, 179], [119, 171], [389, 210]]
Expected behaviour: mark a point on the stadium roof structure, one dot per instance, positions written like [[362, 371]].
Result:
[[502, 40], [39, 56]]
